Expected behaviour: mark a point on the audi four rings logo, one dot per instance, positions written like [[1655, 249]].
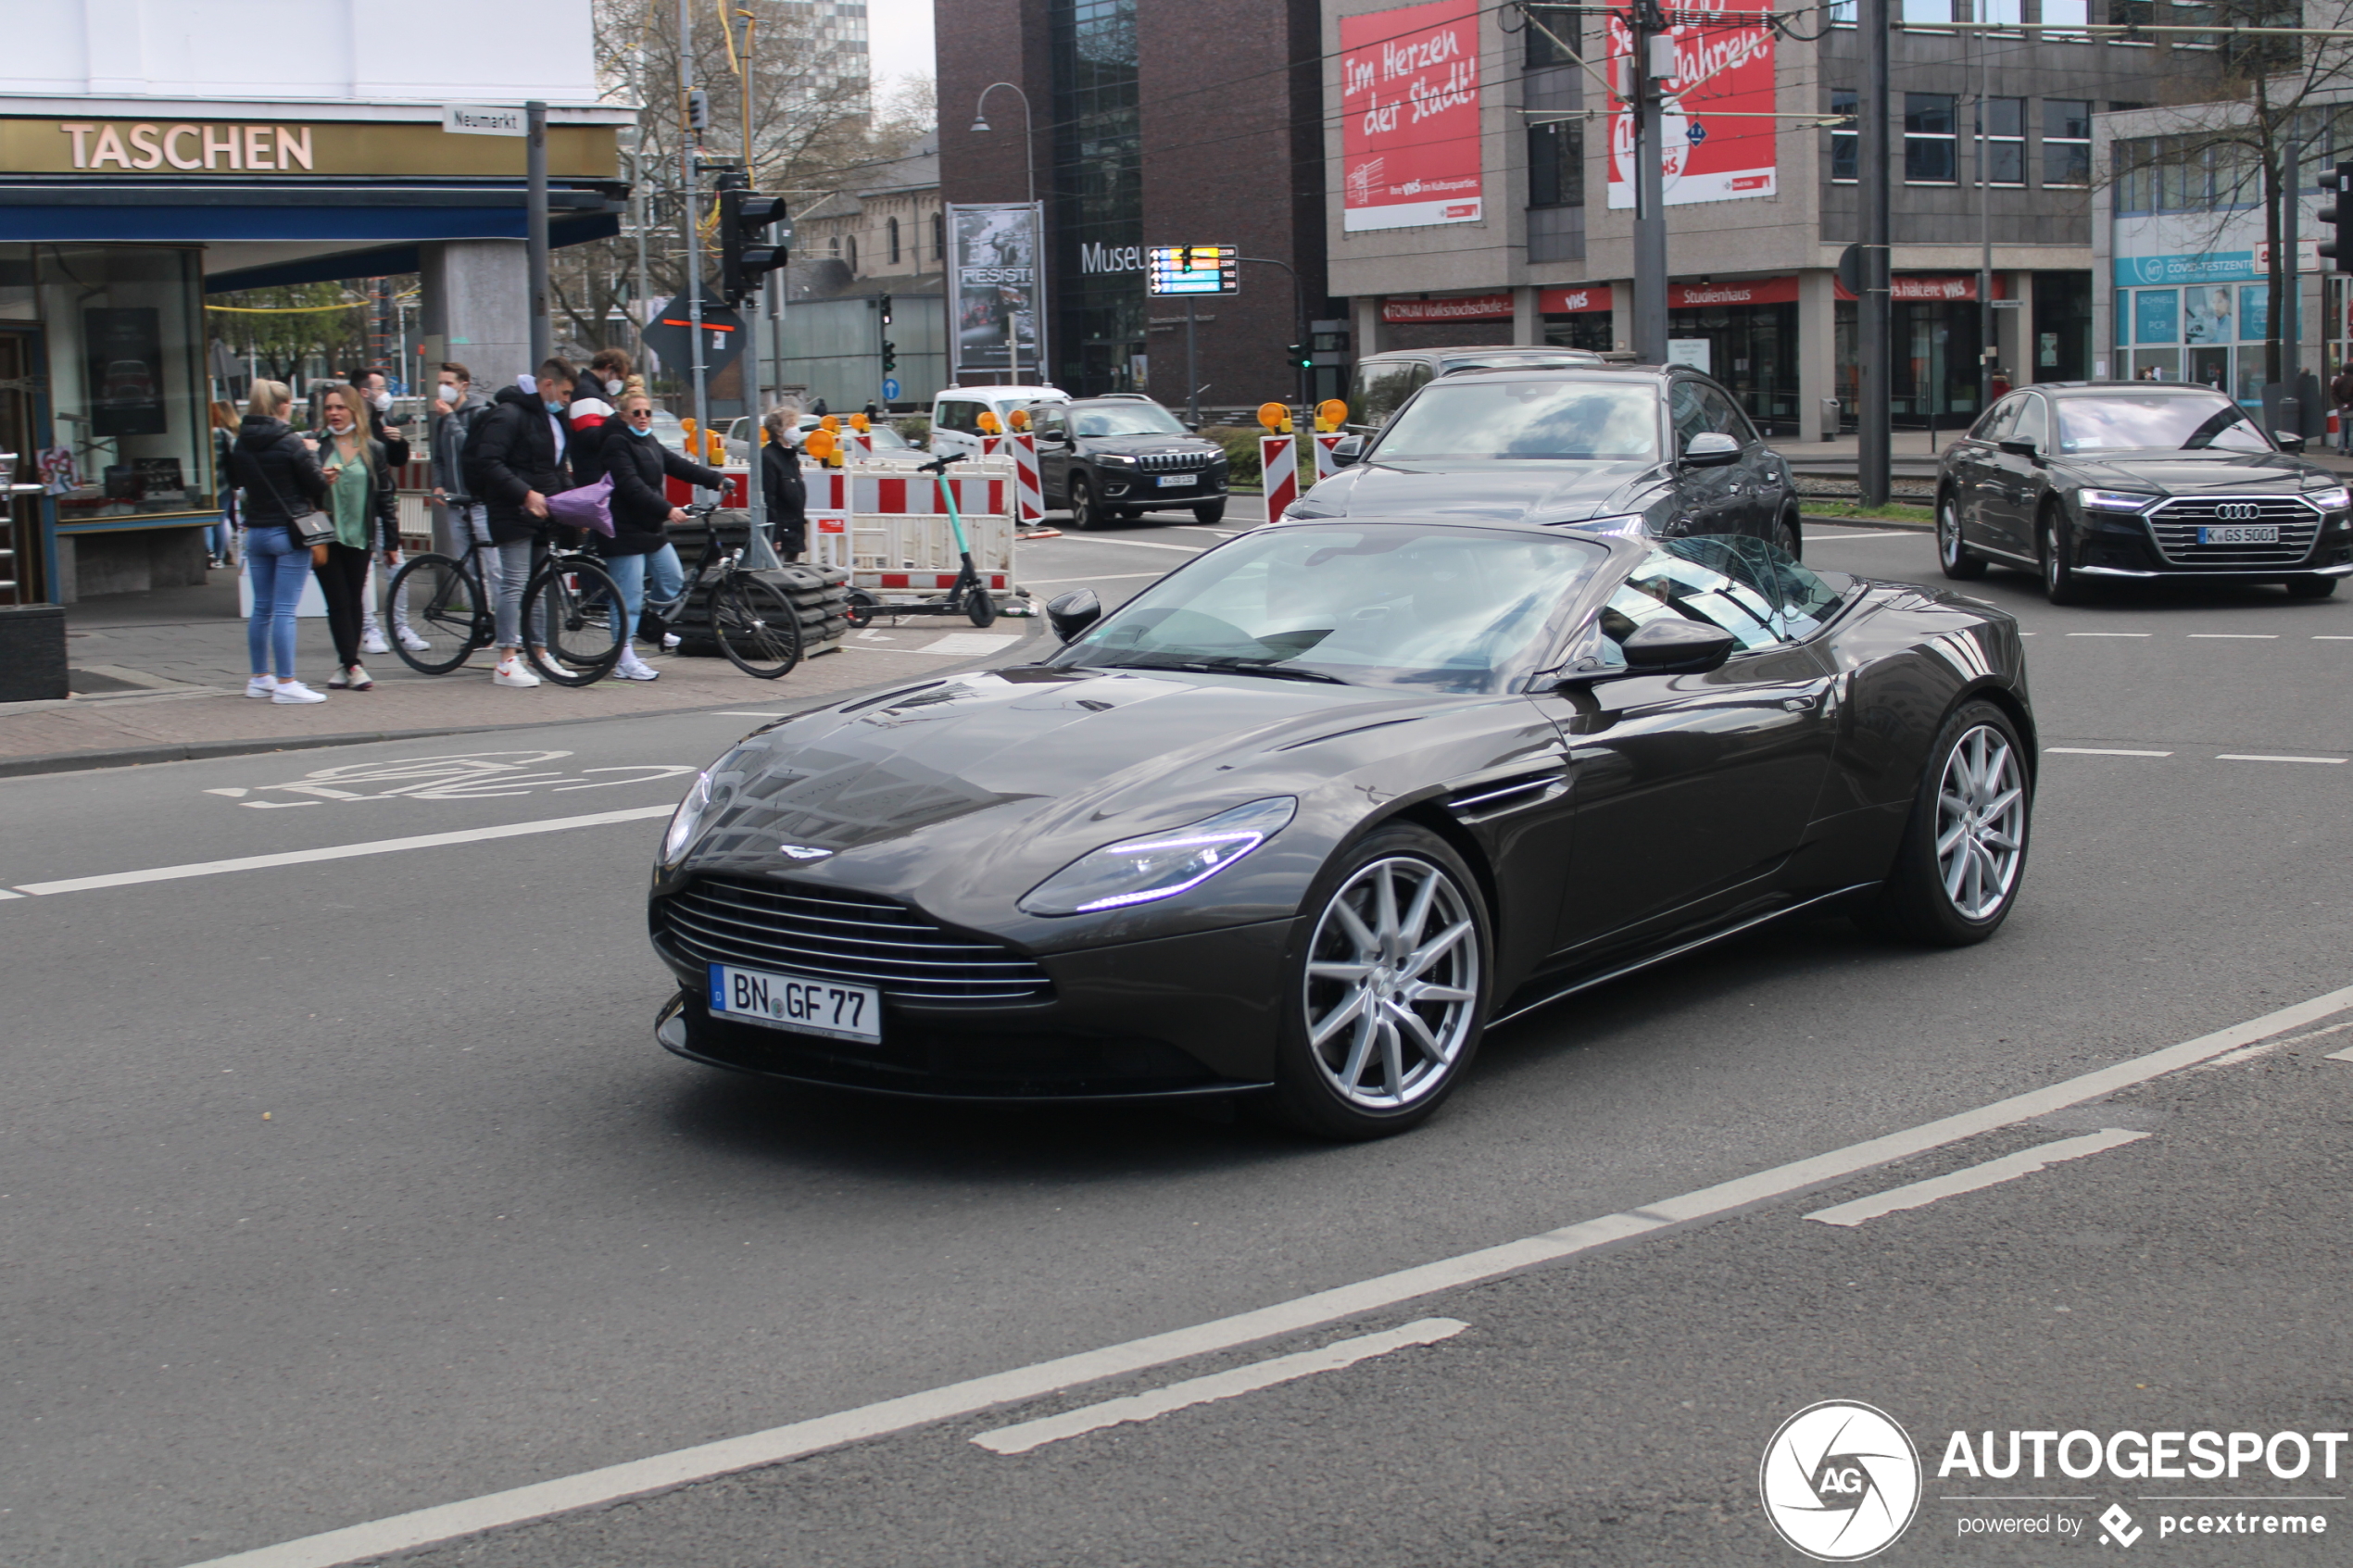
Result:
[[1840, 1481], [2238, 511]]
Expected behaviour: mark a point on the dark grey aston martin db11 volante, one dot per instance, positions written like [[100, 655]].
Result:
[[1303, 817]]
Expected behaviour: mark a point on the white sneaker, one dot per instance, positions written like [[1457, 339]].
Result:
[[412, 642], [510, 672], [632, 668], [295, 691], [261, 685], [373, 642], [669, 639]]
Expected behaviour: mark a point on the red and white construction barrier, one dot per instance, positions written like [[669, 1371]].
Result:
[[1029, 491], [1325, 464], [1278, 461]]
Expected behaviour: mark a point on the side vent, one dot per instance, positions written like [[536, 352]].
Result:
[[1492, 797]]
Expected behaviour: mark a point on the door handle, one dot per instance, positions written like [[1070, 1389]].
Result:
[[1799, 703]]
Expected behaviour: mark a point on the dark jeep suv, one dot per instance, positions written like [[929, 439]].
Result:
[[1118, 456]]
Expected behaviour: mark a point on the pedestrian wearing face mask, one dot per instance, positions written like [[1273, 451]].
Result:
[[518, 458], [782, 487], [612, 373], [638, 549], [458, 409], [352, 461]]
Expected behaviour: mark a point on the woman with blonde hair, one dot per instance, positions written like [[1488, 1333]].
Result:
[[353, 464], [280, 477]]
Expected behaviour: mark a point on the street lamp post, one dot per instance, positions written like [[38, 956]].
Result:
[[1029, 167]]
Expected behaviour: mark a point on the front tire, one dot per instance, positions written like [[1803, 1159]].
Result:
[[2061, 585], [1084, 511], [1960, 563], [1210, 513], [442, 600], [572, 630], [2310, 587], [1388, 993], [1958, 871]]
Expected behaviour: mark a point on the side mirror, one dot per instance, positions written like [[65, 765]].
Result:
[[1710, 449], [1678, 647], [2018, 449], [1071, 613], [1348, 450], [2287, 441]]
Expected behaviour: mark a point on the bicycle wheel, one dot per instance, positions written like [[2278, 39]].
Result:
[[572, 630], [757, 627], [445, 609], [978, 604]]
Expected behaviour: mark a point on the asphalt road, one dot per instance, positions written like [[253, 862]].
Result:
[[343, 1187]]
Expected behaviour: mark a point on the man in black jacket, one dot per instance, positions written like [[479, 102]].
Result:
[[517, 459]]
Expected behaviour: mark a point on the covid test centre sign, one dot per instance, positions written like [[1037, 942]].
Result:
[[1717, 133], [1409, 117]]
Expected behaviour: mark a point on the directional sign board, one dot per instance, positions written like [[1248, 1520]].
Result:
[[477, 119], [890, 389], [1192, 269], [669, 334]]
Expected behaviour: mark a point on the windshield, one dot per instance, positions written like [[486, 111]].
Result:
[[1461, 610], [1125, 419], [1522, 420], [2175, 420]]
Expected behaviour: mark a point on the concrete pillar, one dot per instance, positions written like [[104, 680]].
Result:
[[1528, 327], [1621, 314], [2014, 330], [476, 299], [1366, 338], [1816, 352]]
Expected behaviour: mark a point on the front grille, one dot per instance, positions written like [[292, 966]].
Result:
[[835, 934], [1175, 462], [2174, 525]]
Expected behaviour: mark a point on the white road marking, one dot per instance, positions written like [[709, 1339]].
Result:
[[2111, 634], [972, 644], [1028, 1435], [2266, 1047], [2344, 1055], [341, 851], [2265, 757], [2330, 637], [10, 893], [681, 1467], [741, 713], [2008, 1168], [2236, 636], [233, 794], [2100, 751], [1881, 534], [1146, 544]]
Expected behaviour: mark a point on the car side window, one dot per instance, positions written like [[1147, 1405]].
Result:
[[1997, 419], [1807, 600], [1050, 421], [2030, 425], [1723, 414], [1700, 579], [1684, 408], [959, 414], [1383, 389]]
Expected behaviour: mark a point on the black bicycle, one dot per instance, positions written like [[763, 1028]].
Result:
[[751, 619], [572, 630]]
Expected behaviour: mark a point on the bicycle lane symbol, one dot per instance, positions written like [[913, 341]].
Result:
[[479, 775]]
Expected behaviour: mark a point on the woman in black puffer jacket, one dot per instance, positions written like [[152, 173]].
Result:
[[639, 546], [279, 472]]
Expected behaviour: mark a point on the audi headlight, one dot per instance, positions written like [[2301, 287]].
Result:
[[2116, 501], [2334, 500], [1159, 865], [687, 819]]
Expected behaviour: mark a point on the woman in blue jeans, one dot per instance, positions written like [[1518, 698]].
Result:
[[279, 472], [638, 549]]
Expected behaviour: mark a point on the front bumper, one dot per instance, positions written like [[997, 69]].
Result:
[[2121, 546], [1177, 1017], [1142, 490]]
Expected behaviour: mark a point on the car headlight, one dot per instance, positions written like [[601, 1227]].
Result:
[[686, 819], [2116, 501], [1118, 460], [1159, 865], [2334, 500]]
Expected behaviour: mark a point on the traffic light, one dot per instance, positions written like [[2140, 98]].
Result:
[[744, 221], [697, 110], [885, 309], [2339, 252], [1302, 358], [890, 355]]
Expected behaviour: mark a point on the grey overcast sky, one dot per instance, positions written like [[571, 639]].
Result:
[[899, 40]]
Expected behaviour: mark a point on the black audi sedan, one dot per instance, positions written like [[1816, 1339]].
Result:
[[2082, 482], [1638, 449], [1302, 819], [1120, 457]]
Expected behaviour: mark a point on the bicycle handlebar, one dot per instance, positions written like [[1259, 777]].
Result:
[[939, 464], [702, 508]]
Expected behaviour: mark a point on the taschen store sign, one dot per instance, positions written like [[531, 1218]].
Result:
[[168, 148]]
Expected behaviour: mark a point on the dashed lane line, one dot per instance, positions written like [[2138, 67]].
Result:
[[1992, 1173], [2099, 751], [2234, 636], [683, 1467], [2268, 756], [2111, 634]]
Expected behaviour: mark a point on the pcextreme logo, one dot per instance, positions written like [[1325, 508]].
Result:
[[1841, 1481]]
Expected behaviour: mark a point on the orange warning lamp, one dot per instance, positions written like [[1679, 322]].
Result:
[[1276, 417], [987, 422], [831, 422], [860, 423], [1331, 414], [1018, 419], [820, 443]]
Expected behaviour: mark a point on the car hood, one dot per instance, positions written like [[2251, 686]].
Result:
[[2177, 473], [1139, 444], [1536, 491]]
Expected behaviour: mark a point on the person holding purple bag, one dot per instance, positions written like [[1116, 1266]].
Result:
[[641, 511]]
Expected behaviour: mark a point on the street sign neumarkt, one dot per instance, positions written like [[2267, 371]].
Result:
[[476, 120]]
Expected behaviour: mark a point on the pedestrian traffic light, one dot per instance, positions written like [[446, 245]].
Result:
[[697, 110], [1302, 358], [890, 355], [744, 261], [2336, 247]]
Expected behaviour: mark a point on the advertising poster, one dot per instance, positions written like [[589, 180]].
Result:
[[998, 292], [124, 349], [1409, 117], [1723, 70]]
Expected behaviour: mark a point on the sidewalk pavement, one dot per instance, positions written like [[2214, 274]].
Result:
[[160, 676]]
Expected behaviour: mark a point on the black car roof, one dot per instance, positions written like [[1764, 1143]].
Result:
[[1572, 372]]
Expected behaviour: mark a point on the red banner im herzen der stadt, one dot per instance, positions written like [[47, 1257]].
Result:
[[1722, 69], [1409, 117]]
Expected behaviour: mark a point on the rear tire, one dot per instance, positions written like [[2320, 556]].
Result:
[[1958, 873], [1960, 563], [2061, 585], [756, 626], [858, 608], [1392, 972], [572, 630], [1084, 513], [443, 606], [2310, 587], [978, 606], [1789, 536]]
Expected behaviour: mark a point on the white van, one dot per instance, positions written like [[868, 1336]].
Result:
[[955, 413]]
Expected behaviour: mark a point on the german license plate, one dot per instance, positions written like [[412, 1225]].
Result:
[[799, 1002], [2241, 534], [1175, 481]]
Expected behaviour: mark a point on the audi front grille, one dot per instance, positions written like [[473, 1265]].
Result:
[[835, 934], [2174, 525]]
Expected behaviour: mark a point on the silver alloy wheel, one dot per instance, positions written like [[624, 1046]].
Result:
[[1949, 533], [1393, 983], [1980, 822]]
